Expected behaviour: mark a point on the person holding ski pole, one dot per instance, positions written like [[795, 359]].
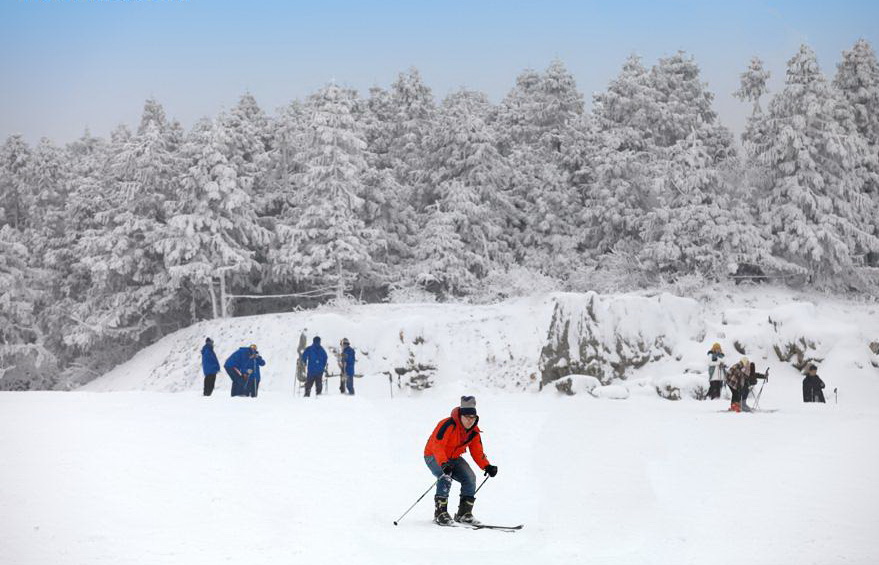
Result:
[[210, 366], [442, 454], [315, 360], [346, 367], [736, 378], [240, 366], [813, 386], [716, 369], [251, 386]]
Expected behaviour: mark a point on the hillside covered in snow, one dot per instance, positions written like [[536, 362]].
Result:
[[598, 466], [638, 341]]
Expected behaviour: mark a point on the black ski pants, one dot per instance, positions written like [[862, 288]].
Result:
[[209, 382], [317, 381]]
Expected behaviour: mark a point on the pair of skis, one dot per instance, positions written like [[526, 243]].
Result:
[[481, 526]]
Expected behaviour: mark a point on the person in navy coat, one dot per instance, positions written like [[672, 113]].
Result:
[[209, 366], [347, 358], [243, 368], [315, 360]]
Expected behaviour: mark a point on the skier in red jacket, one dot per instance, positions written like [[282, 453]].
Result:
[[449, 440]]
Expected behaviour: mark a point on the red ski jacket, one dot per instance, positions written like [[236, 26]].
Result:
[[449, 440]]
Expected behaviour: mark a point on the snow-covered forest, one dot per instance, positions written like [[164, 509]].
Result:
[[106, 245]]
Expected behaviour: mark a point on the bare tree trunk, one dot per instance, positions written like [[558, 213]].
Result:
[[340, 290], [223, 292], [213, 297]]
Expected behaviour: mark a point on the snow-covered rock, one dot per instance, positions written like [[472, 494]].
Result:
[[607, 336], [682, 386], [577, 384]]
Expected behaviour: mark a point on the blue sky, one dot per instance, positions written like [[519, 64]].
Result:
[[68, 64]]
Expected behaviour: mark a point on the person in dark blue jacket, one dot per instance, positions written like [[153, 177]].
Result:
[[209, 366], [315, 360], [346, 364], [243, 368]]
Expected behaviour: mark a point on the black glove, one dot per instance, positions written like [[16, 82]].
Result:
[[447, 468], [491, 470]]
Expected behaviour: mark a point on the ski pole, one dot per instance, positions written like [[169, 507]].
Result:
[[400, 519], [480, 485]]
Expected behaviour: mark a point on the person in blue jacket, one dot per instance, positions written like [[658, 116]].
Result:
[[315, 359], [243, 368], [346, 363], [209, 366]]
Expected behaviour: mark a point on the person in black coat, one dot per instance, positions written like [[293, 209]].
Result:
[[813, 386]]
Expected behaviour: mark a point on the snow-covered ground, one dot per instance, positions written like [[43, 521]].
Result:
[[139, 476], [177, 478]]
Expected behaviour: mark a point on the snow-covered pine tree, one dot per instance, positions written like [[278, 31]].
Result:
[[246, 145], [130, 288], [212, 230], [533, 122], [46, 180], [518, 114], [289, 130], [447, 262], [692, 228], [25, 361], [388, 203], [538, 110], [561, 105], [684, 107], [857, 78], [700, 227], [14, 155], [413, 114], [462, 148], [613, 168], [327, 243], [752, 87], [814, 205]]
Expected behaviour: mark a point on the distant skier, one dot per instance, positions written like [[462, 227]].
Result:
[[751, 381], [442, 454], [813, 386], [210, 366], [315, 359], [716, 370], [243, 368], [736, 378], [346, 366]]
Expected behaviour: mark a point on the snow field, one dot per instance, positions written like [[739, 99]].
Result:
[[141, 477]]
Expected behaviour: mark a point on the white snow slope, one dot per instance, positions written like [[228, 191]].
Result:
[[145, 477]]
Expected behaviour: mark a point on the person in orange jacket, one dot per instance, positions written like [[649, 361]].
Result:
[[442, 454]]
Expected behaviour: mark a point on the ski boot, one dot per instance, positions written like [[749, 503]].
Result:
[[441, 511], [465, 510]]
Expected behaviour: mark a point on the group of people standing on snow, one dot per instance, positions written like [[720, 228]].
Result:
[[243, 368], [314, 362], [741, 376]]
